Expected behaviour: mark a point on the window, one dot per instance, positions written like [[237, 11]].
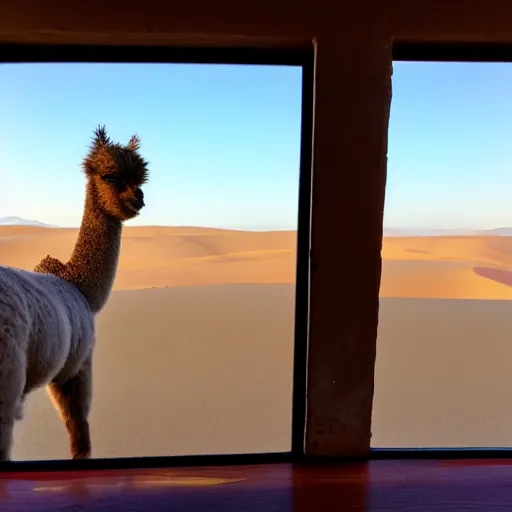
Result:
[[444, 356], [199, 348]]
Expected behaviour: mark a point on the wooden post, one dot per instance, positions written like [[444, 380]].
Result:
[[353, 93]]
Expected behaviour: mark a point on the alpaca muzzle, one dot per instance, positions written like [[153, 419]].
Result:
[[136, 202]]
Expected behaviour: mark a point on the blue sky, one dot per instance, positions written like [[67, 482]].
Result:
[[224, 142], [450, 146]]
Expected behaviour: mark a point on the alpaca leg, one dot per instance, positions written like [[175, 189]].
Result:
[[6, 438], [12, 382], [20, 405], [73, 402]]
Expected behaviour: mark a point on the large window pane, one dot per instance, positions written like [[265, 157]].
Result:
[[195, 345], [444, 356]]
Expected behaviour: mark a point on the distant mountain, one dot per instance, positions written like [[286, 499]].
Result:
[[398, 232], [18, 221], [425, 232], [496, 232]]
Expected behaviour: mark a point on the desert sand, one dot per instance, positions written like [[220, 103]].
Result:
[[447, 267], [444, 352], [195, 347]]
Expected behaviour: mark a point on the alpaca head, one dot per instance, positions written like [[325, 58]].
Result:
[[116, 173]]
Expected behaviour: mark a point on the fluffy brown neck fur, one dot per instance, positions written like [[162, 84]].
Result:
[[115, 174], [93, 263]]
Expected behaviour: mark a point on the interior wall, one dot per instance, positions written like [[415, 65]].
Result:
[[352, 112]]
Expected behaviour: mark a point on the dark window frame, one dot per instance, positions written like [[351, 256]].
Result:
[[420, 51], [298, 57]]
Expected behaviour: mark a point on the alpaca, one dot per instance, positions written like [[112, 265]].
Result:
[[47, 317]]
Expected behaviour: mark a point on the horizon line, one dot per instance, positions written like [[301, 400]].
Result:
[[43, 225], [24, 222]]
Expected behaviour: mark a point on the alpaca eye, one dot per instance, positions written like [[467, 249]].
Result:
[[109, 178]]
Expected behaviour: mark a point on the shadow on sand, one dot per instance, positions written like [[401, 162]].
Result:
[[495, 274]]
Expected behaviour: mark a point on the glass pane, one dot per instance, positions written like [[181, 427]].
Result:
[[444, 356], [194, 347]]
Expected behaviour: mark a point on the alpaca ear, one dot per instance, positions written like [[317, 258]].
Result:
[[134, 143], [100, 137]]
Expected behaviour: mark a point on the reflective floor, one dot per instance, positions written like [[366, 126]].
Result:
[[412, 486]]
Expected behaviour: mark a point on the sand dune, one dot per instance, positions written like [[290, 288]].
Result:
[[421, 267], [195, 346], [447, 267], [443, 361], [166, 256]]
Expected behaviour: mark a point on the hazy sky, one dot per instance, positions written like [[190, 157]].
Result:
[[224, 141], [450, 146]]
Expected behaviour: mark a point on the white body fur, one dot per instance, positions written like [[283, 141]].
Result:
[[46, 334]]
